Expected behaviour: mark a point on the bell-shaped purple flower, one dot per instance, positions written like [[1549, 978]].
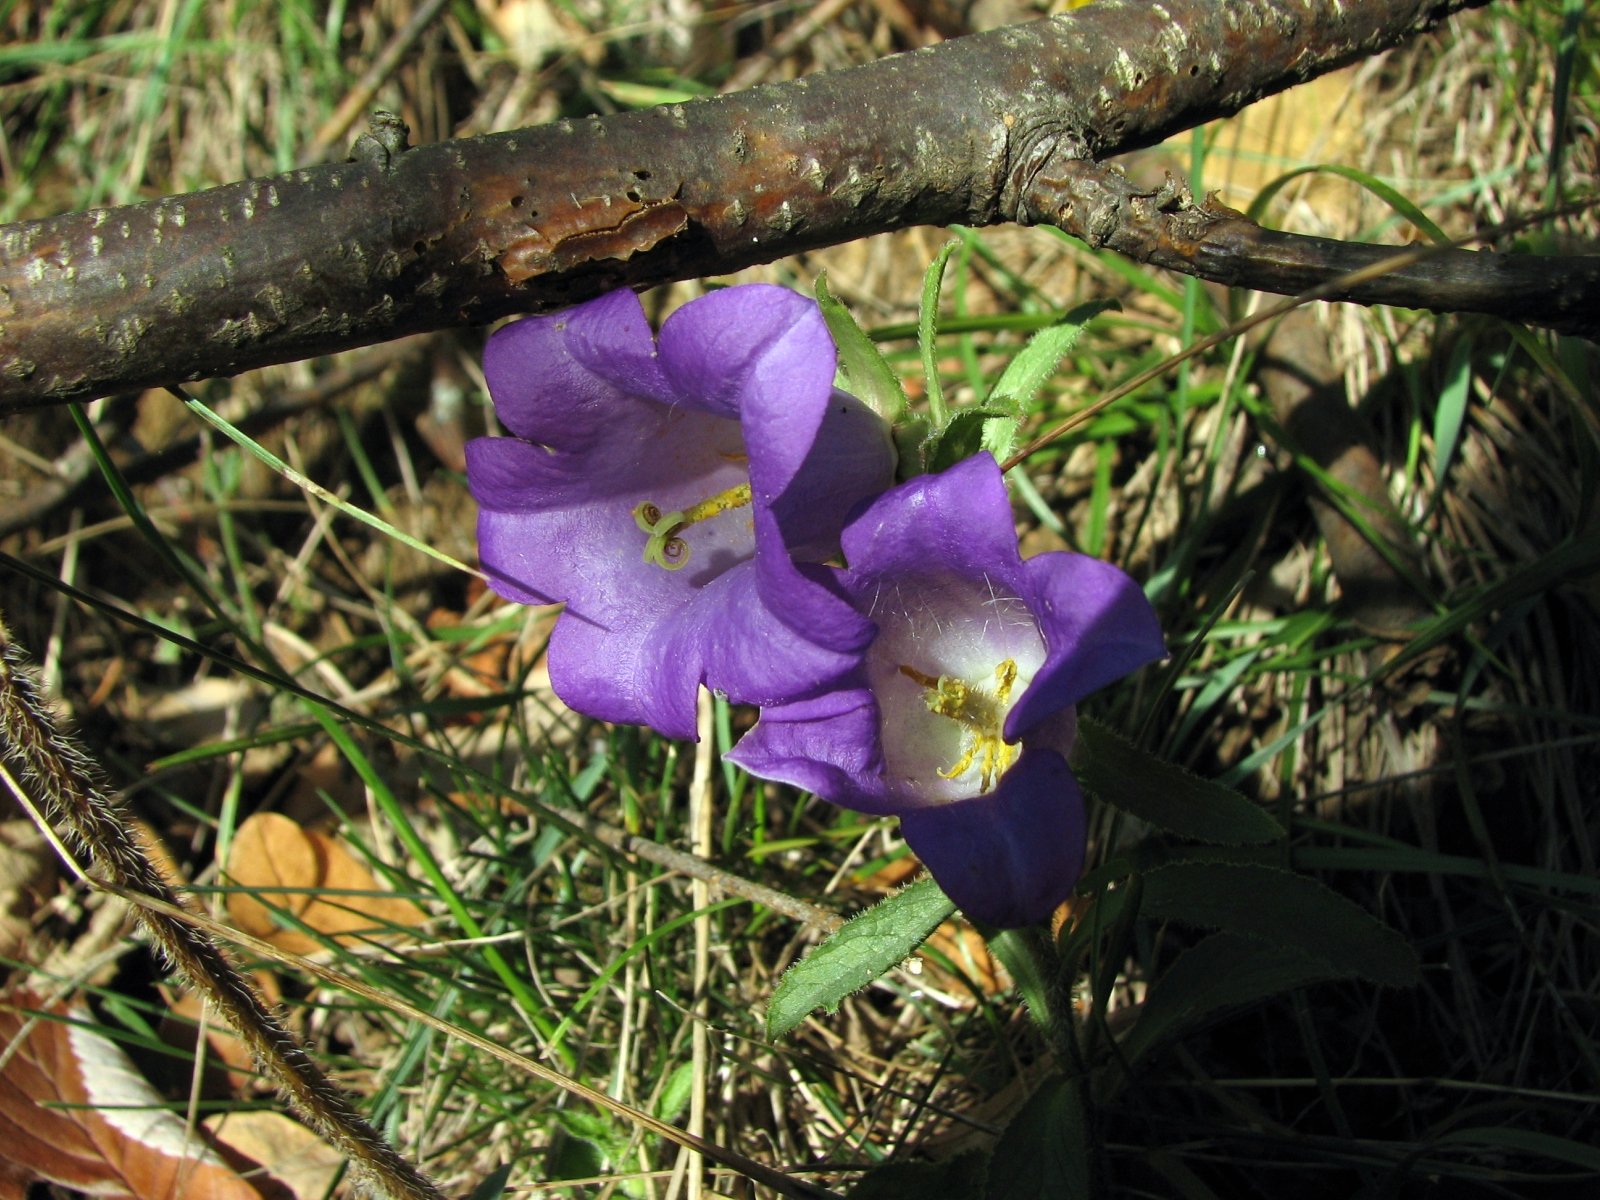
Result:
[[959, 715], [665, 489]]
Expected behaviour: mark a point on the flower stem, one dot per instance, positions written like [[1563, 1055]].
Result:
[[1030, 958]]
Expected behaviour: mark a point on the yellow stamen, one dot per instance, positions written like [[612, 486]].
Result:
[[664, 547], [982, 715]]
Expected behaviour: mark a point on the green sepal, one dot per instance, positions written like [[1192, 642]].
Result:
[[1019, 384], [863, 370], [928, 330], [911, 444], [966, 433]]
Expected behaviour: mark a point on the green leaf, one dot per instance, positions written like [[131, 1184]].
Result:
[[1045, 1152], [1031, 369], [1523, 1141], [867, 374], [867, 946], [960, 1176], [1287, 910], [1226, 971], [1402, 206], [571, 1157], [964, 435], [675, 1093], [1451, 411], [305, 484], [1164, 795], [493, 1185]]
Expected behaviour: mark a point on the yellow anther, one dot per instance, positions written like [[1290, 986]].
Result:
[[981, 713], [1005, 675], [664, 547]]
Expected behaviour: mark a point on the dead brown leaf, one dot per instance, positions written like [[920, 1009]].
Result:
[[27, 875], [295, 869], [312, 877], [283, 1149], [74, 1111], [186, 1016]]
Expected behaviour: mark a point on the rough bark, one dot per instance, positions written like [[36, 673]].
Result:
[[1166, 228], [399, 241]]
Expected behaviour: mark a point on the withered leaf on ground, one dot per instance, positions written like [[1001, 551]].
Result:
[[75, 1112], [299, 1162], [312, 877]]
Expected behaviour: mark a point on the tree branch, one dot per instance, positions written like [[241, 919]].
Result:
[[462, 232], [1167, 228]]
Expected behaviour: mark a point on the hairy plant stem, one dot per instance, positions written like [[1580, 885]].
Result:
[[51, 766]]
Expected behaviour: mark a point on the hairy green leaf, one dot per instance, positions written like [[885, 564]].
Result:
[[1163, 794], [1045, 1153], [868, 945], [959, 1176], [1224, 972], [1284, 909]]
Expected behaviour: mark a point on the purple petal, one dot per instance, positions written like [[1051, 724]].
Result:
[[1010, 857], [595, 671], [560, 379], [645, 666], [850, 460], [559, 526], [765, 354], [749, 346], [827, 745], [957, 522], [738, 390], [754, 652], [1097, 626], [806, 597]]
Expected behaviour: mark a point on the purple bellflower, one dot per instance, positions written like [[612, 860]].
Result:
[[959, 715], [664, 490]]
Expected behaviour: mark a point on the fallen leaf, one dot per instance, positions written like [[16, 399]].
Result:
[[27, 876], [283, 1149], [74, 1111], [312, 877]]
